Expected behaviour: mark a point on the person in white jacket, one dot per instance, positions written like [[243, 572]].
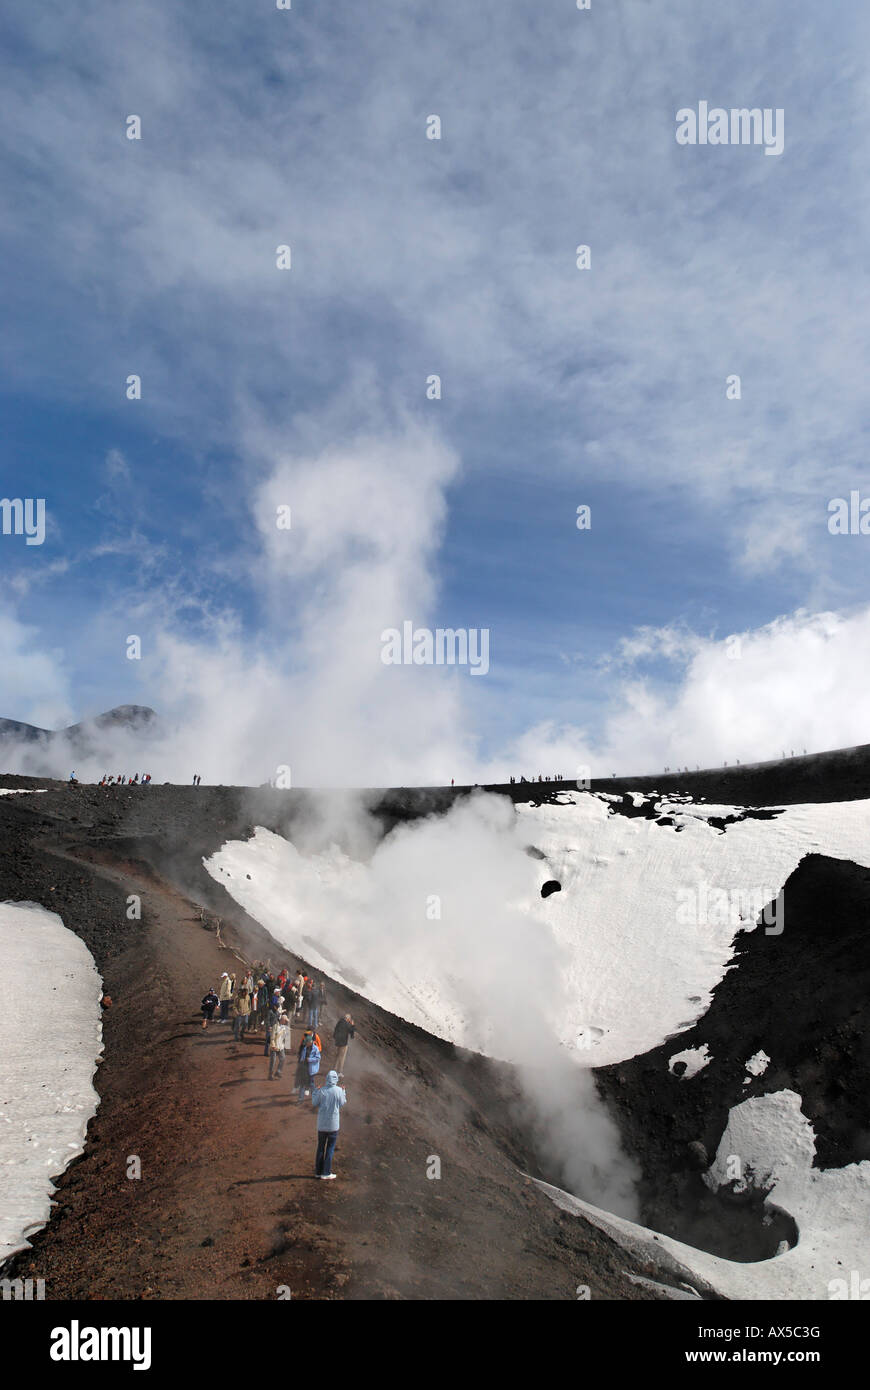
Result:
[[278, 1047], [226, 989]]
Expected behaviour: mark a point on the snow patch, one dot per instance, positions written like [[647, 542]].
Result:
[[629, 957], [47, 1095], [756, 1066], [695, 1058]]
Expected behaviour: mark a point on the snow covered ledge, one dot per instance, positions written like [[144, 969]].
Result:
[[51, 992], [767, 1141]]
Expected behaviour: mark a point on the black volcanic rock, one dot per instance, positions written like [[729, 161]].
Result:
[[802, 999]]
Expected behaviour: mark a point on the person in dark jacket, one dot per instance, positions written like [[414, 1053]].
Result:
[[291, 997], [341, 1036], [264, 997], [316, 1001], [209, 1003], [272, 1015]]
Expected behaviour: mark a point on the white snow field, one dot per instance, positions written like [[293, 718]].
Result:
[[52, 991], [21, 791], [773, 1142], [624, 956]]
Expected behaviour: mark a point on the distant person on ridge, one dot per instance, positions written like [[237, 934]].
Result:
[[342, 1033], [327, 1101]]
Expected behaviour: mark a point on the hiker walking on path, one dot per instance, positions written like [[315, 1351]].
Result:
[[241, 1012], [225, 994], [209, 1003], [327, 1101], [278, 1046], [307, 1065], [317, 999], [341, 1035], [300, 987], [248, 986], [262, 1001], [272, 1017], [291, 998], [307, 987]]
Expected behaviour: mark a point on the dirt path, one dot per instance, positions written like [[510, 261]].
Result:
[[199, 1113]]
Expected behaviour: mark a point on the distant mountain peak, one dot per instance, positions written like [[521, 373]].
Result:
[[138, 718], [127, 716]]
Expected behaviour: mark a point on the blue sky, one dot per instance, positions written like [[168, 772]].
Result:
[[411, 256]]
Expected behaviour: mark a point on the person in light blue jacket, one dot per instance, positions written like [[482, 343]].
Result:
[[327, 1101], [307, 1065]]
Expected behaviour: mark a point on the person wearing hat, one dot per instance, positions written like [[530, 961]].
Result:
[[277, 1001], [327, 1101], [307, 1065], [209, 1003]]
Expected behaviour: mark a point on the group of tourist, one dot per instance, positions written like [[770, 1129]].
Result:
[[122, 780], [556, 777], [256, 1001]]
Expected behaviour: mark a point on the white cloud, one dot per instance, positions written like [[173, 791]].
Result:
[[458, 255], [33, 683], [797, 683]]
